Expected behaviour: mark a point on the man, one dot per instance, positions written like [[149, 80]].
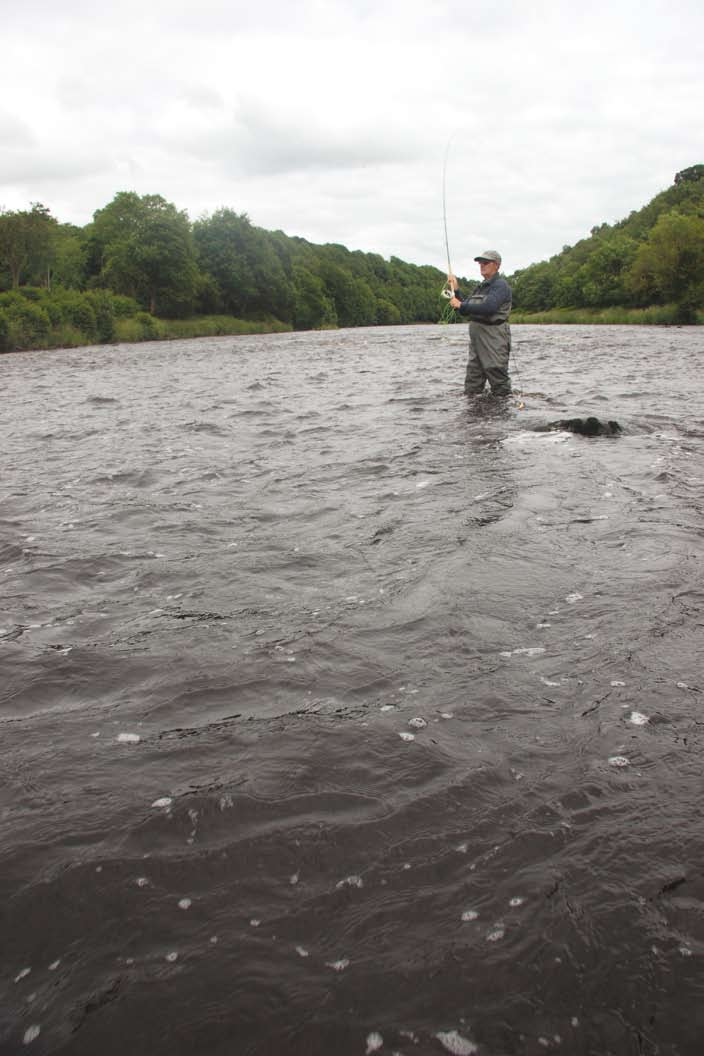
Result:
[[489, 332]]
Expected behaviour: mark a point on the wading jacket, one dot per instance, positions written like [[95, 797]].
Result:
[[490, 303]]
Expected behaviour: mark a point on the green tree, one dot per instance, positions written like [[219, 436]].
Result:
[[246, 265], [601, 279], [26, 243], [669, 266], [314, 310], [145, 250]]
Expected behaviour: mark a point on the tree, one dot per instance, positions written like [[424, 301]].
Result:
[[145, 250], [246, 264], [314, 309], [601, 278], [26, 242], [691, 175], [669, 266]]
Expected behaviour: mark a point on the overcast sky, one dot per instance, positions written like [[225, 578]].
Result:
[[331, 119]]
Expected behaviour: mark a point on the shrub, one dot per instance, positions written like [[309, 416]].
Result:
[[102, 304], [28, 325], [4, 332], [148, 325]]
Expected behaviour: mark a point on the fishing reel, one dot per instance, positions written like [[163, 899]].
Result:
[[447, 291]]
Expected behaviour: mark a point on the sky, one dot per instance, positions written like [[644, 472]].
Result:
[[375, 124]]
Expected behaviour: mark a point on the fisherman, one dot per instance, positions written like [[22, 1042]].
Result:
[[488, 309]]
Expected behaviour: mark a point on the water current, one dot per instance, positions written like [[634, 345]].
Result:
[[341, 714]]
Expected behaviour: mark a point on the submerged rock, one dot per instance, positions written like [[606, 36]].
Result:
[[586, 426]]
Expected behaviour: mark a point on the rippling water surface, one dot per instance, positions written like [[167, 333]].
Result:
[[340, 714]]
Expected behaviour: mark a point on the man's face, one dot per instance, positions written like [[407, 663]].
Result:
[[488, 268]]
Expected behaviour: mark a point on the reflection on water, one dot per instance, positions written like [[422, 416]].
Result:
[[342, 714]]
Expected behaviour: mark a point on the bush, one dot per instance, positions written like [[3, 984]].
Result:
[[27, 324], [149, 326], [4, 332], [102, 304], [123, 307]]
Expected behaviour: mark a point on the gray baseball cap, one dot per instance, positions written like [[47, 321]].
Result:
[[489, 254]]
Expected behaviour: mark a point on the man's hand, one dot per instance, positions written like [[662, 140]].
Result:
[[455, 302], [452, 281]]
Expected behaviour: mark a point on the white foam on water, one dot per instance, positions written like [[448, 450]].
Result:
[[447, 715], [213, 940], [185, 903], [128, 738], [573, 598], [351, 881], [455, 1043], [616, 682], [407, 736], [516, 901], [302, 951], [417, 723], [497, 934], [374, 1042], [23, 974], [142, 881], [54, 965], [681, 685], [293, 879], [31, 1033], [338, 966], [547, 682], [254, 922], [387, 707], [619, 760], [574, 1021], [462, 848], [422, 483], [172, 956], [225, 801], [165, 801], [637, 718], [469, 914], [526, 650], [685, 951]]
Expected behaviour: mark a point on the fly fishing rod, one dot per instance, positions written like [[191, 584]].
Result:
[[448, 290]]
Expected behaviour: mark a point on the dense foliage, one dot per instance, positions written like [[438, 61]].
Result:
[[141, 259], [145, 249], [653, 257]]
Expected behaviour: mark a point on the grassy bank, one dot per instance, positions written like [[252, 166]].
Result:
[[145, 327], [658, 315], [32, 318]]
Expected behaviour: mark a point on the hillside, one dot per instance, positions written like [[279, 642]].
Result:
[[654, 256]]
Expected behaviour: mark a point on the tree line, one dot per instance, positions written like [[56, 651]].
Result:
[[654, 256], [141, 258], [146, 249]]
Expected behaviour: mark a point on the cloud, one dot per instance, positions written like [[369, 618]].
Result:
[[330, 118]]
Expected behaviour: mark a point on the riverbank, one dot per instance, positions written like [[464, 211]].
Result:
[[143, 327], [656, 315]]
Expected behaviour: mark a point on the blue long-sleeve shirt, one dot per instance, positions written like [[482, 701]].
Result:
[[489, 303]]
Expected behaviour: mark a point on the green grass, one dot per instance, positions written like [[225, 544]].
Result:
[[657, 315]]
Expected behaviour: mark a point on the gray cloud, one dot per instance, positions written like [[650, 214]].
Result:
[[331, 120]]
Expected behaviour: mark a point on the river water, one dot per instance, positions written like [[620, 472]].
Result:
[[340, 714]]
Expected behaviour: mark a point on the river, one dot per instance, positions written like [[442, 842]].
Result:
[[340, 714]]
